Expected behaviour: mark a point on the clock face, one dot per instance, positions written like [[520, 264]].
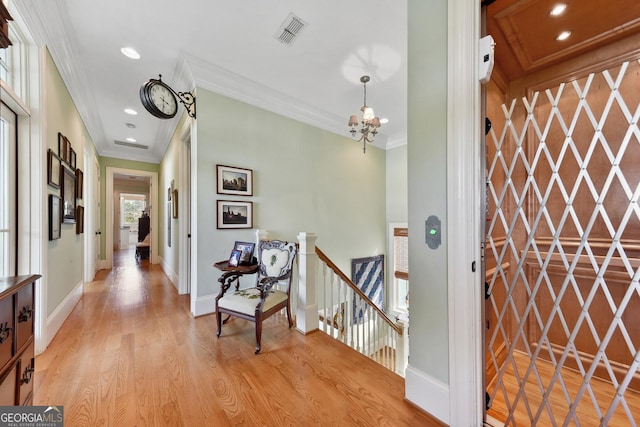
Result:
[[158, 99], [163, 99]]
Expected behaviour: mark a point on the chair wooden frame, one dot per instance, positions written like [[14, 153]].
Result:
[[265, 282]]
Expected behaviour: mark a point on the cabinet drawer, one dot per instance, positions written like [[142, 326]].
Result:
[[26, 375], [8, 386], [6, 330], [24, 315]]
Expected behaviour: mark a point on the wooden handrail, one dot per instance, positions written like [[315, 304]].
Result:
[[353, 286]]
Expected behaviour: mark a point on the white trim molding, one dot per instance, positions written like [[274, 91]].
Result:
[[428, 393], [464, 190], [204, 305], [62, 311]]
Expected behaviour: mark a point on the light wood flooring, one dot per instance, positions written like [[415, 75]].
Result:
[[586, 414], [131, 354]]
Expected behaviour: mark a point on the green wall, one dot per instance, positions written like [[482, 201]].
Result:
[[64, 255], [121, 164], [427, 154], [304, 179], [397, 200]]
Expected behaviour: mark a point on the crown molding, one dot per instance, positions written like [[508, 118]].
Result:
[[224, 82], [49, 21]]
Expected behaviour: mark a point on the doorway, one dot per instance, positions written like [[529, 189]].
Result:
[[563, 252], [151, 180]]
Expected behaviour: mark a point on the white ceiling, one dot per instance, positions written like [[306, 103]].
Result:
[[227, 47]]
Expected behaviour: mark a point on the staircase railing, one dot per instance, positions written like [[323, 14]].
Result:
[[348, 315]]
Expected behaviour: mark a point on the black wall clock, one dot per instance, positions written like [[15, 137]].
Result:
[[158, 98]]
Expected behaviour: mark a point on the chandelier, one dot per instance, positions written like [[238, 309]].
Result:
[[369, 124]]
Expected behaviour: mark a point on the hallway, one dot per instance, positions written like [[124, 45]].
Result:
[[130, 354]]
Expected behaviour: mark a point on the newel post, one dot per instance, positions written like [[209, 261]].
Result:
[[402, 352], [307, 311]]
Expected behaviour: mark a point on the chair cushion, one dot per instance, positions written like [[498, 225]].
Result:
[[274, 261], [245, 300]]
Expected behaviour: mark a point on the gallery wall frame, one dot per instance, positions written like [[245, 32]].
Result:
[[55, 220], [80, 220], [234, 180], [174, 203], [68, 196], [53, 169], [234, 214], [79, 183]]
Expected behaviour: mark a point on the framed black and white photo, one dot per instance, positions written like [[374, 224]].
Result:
[[68, 196], [53, 169], [234, 214], [232, 180], [54, 217]]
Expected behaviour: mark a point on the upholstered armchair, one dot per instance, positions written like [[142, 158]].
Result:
[[270, 294]]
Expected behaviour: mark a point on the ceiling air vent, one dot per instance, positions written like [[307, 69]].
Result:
[[290, 29], [130, 144]]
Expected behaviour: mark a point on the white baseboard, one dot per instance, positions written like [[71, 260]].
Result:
[[62, 311], [205, 305], [102, 264], [169, 272], [427, 393]]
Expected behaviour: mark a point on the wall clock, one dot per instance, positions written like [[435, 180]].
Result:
[[159, 99]]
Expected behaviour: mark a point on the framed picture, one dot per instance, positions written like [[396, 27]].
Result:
[[62, 147], [68, 196], [233, 214], [54, 217], [72, 159], [234, 259], [246, 252], [67, 150], [80, 220], [174, 203], [169, 224], [53, 169], [79, 180], [368, 275], [233, 180]]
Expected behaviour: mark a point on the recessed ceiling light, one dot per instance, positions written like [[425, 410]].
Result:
[[384, 120], [558, 9], [130, 111], [130, 125], [563, 35], [130, 52], [131, 140]]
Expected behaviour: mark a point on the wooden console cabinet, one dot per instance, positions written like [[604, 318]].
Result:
[[16, 339]]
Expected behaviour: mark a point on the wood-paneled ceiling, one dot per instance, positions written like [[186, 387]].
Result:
[[525, 32]]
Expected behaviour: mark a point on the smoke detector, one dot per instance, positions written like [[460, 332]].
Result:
[[290, 29]]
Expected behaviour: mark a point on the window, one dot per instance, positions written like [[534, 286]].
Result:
[[8, 200], [132, 207], [399, 257]]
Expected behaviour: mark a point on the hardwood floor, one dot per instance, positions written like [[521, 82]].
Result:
[[585, 412], [131, 354]]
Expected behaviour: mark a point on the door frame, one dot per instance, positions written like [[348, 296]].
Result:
[[153, 213], [465, 190]]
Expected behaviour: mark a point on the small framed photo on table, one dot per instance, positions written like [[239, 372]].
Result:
[[234, 259], [246, 252]]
